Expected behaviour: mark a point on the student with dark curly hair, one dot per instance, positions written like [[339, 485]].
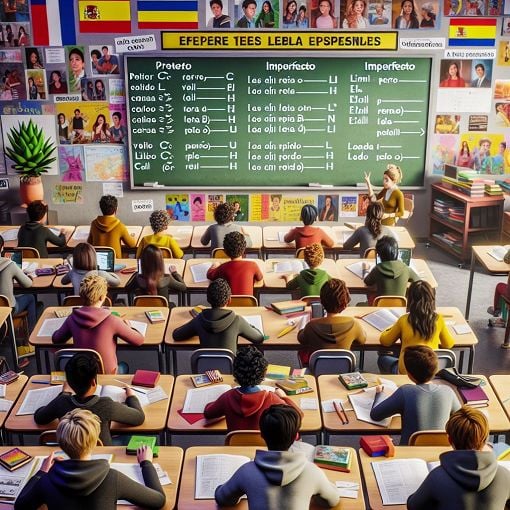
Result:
[[309, 281], [240, 274], [33, 233], [108, 230], [334, 331], [224, 216], [218, 327], [159, 221], [243, 406], [305, 235]]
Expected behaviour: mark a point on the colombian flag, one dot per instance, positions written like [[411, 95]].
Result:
[[167, 14], [105, 16], [478, 31]]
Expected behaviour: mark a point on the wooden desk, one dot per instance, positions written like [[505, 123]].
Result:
[[155, 414], [181, 233], [254, 231], [12, 235], [356, 284], [480, 255], [40, 283], [12, 392], [343, 232], [153, 337], [427, 453], [330, 387], [450, 313], [187, 499], [501, 386], [311, 423], [81, 235], [169, 458], [273, 245]]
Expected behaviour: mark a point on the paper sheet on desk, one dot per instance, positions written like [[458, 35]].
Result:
[[81, 235], [141, 327], [10, 234], [49, 326], [255, 321], [134, 471], [199, 272]]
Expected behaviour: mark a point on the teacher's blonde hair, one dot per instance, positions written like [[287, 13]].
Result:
[[394, 173]]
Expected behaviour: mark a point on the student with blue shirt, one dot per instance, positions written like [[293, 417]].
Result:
[[248, 20]]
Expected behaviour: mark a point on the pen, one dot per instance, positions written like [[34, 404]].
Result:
[[286, 330], [345, 414], [129, 386], [340, 411]]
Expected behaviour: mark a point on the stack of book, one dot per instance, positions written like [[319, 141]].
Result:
[[471, 188], [493, 190], [474, 397], [449, 210], [333, 457], [505, 184], [452, 239]]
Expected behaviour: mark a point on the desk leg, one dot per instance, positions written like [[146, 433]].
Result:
[[471, 359], [470, 285], [10, 333]]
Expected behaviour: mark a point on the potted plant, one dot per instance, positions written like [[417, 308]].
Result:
[[32, 154]]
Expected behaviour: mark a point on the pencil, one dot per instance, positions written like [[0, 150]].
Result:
[[345, 414]]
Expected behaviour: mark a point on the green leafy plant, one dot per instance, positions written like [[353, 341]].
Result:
[[30, 150]]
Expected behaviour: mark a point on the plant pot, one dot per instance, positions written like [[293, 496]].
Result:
[[31, 189]]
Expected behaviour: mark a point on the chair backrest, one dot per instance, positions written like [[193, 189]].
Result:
[[78, 301], [446, 358], [370, 253], [4, 301], [49, 438], [311, 299], [29, 252], [390, 301], [429, 438], [64, 355], [331, 361], [300, 253], [166, 252], [243, 300], [244, 438], [408, 207], [219, 253], [145, 300], [212, 359]]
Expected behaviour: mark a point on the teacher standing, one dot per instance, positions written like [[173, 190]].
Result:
[[390, 196]]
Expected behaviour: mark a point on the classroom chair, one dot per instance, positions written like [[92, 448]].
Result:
[[243, 300], [331, 361], [300, 253], [19, 326], [429, 438], [146, 300], [244, 438], [370, 253], [78, 301], [446, 358], [29, 252], [64, 355], [311, 299], [506, 343], [212, 359], [166, 252], [49, 438], [386, 301], [219, 253], [408, 206]]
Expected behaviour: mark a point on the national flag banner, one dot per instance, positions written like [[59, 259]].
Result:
[[467, 32], [53, 22], [105, 16], [167, 14]]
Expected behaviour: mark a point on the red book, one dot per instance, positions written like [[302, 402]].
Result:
[[147, 378], [377, 446], [475, 397]]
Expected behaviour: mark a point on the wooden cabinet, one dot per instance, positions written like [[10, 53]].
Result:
[[505, 231], [457, 221]]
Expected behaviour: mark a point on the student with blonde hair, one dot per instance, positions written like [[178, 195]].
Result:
[[94, 327], [467, 477], [83, 483]]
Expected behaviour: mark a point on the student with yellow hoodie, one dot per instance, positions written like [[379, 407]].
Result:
[[108, 230], [159, 221]]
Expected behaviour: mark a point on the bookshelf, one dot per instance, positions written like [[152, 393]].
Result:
[[457, 221]]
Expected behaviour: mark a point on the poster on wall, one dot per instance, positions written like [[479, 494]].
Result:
[[240, 203], [292, 206], [487, 152], [197, 206], [45, 122], [106, 163], [177, 206], [443, 152], [259, 206], [67, 194], [70, 160], [212, 202], [328, 207]]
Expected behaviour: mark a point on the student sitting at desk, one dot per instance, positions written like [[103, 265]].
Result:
[[107, 230], [371, 232], [218, 327], [278, 478], [422, 405], [10, 272], [468, 477], [309, 281], [240, 274], [502, 289], [81, 376], [159, 221], [243, 406], [224, 216], [152, 278], [93, 327], [391, 275], [334, 331], [82, 482], [307, 234], [422, 325], [84, 262], [34, 234]]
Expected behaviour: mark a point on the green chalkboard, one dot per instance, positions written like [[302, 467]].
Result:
[[269, 122]]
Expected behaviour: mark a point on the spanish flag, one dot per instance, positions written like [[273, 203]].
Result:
[[465, 32], [167, 14], [105, 16]]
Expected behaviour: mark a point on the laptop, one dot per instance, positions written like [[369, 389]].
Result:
[[105, 260], [16, 256], [404, 254]]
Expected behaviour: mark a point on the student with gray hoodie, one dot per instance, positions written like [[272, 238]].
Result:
[[218, 327], [10, 272], [469, 477], [277, 478]]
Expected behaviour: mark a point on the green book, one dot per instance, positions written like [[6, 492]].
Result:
[[136, 441]]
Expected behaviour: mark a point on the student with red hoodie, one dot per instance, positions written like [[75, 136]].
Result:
[[307, 234], [93, 327], [108, 230], [243, 406]]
